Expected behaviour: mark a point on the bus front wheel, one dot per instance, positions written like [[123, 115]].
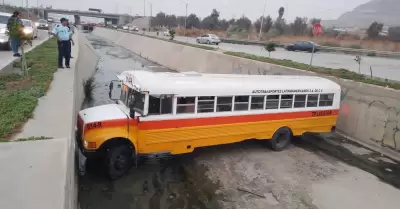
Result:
[[281, 138], [119, 160]]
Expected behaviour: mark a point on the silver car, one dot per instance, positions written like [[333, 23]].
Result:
[[30, 28], [208, 39]]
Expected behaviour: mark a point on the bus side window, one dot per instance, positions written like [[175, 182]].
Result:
[[166, 104], [312, 100], [224, 104], [205, 104], [325, 100], [272, 102], [299, 100], [154, 105], [286, 101], [185, 105], [160, 104], [257, 102], [241, 103]]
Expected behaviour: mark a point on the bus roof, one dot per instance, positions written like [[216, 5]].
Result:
[[196, 84]]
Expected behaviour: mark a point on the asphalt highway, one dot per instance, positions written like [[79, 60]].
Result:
[[386, 68]]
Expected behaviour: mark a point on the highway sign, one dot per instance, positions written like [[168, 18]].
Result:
[[317, 29]]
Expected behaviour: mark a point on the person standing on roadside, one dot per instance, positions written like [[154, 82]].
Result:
[[15, 31], [71, 32], [61, 32]]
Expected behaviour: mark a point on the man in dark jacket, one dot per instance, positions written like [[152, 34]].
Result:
[[15, 31]]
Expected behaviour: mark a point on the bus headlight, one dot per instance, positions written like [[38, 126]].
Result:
[[28, 30], [85, 143]]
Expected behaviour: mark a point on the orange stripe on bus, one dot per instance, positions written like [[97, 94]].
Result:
[[180, 123], [191, 122]]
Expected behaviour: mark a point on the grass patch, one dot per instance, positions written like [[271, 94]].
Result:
[[331, 44], [192, 45], [339, 73], [19, 95], [355, 46]]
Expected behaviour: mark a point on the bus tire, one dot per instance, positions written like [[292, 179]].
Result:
[[119, 161], [281, 138]]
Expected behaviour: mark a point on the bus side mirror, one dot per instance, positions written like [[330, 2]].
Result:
[[115, 90]]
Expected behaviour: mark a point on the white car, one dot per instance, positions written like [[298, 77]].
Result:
[[208, 39], [133, 28], [30, 28], [125, 27], [4, 41], [166, 33]]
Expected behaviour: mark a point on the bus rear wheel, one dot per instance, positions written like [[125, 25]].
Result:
[[281, 138], [119, 161]]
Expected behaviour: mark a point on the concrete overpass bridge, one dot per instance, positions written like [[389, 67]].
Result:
[[108, 17]]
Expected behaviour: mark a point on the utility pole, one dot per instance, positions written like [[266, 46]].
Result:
[[186, 21], [151, 15], [144, 8], [27, 8], [4, 7], [262, 20]]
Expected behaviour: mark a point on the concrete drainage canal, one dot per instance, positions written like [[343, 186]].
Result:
[[159, 182]]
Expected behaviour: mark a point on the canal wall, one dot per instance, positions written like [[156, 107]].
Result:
[[85, 66], [369, 114]]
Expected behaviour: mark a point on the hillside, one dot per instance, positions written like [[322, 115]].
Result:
[[385, 11]]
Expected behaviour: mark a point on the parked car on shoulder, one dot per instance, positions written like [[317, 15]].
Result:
[[303, 46], [133, 28], [4, 40], [166, 33], [208, 39], [42, 24], [125, 27]]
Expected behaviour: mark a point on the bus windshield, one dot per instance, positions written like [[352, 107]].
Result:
[[138, 101]]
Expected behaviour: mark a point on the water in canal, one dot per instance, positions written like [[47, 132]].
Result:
[[158, 182]]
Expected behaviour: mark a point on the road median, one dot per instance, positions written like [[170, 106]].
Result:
[[19, 94]]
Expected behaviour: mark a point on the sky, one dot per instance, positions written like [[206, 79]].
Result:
[[325, 9]]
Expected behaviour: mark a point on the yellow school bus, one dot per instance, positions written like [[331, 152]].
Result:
[[159, 112]]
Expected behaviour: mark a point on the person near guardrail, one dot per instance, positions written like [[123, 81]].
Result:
[[15, 31], [63, 36], [71, 32]]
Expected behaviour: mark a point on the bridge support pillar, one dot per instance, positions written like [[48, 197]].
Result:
[[77, 19], [45, 15], [110, 21], [123, 20]]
